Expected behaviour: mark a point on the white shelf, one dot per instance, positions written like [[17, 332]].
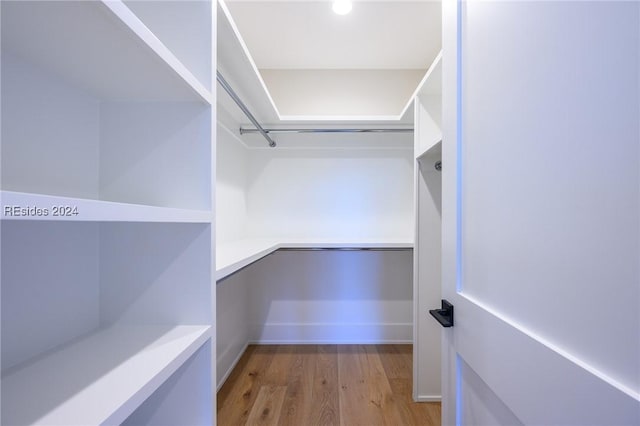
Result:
[[101, 379], [111, 132], [432, 152], [101, 47], [233, 256], [95, 210], [431, 84], [239, 69]]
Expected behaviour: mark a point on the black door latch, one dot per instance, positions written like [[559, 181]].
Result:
[[445, 315]]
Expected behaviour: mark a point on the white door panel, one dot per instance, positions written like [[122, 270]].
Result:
[[479, 404], [541, 212], [541, 384]]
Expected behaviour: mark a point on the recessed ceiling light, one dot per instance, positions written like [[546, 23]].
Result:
[[342, 7]]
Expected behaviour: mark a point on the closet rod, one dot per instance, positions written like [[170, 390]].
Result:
[[389, 130], [243, 107], [345, 249]]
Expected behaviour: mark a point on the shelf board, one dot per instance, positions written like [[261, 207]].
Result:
[[431, 84], [100, 47], [100, 379], [96, 210], [431, 153], [238, 68], [233, 256]]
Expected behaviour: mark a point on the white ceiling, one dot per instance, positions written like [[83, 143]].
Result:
[[341, 93], [297, 61], [297, 34]]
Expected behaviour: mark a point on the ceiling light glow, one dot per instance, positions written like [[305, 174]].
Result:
[[342, 7]]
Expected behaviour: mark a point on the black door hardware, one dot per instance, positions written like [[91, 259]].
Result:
[[445, 315]]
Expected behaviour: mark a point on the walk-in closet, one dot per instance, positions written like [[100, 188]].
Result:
[[152, 229], [317, 216], [243, 212]]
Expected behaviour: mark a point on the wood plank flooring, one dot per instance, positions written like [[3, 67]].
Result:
[[308, 385]]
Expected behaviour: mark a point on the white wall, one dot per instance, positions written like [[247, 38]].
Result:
[[231, 184], [233, 331], [315, 297], [348, 189], [60, 154], [323, 193], [168, 153], [50, 289], [332, 297], [232, 293], [144, 279], [330, 193]]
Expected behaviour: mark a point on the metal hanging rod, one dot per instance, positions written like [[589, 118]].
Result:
[[244, 108], [265, 132], [390, 130], [344, 249]]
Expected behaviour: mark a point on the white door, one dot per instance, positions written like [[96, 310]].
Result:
[[541, 232]]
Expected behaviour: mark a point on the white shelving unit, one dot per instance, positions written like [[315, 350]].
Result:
[[108, 158], [427, 253]]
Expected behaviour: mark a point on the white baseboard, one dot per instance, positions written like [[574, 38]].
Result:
[[429, 398], [332, 333], [228, 366]]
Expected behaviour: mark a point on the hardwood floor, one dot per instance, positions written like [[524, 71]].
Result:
[[306, 385]]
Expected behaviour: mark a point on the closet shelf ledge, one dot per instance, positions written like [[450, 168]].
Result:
[[235, 255], [26, 206], [100, 379]]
